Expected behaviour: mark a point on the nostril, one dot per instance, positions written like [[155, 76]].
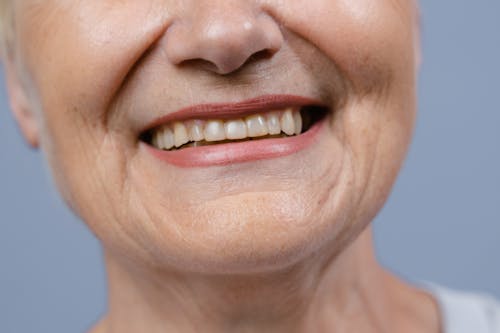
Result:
[[226, 67], [202, 64], [260, 55]]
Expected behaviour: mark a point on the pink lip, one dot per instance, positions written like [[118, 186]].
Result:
[[234, 110], [237, 152]]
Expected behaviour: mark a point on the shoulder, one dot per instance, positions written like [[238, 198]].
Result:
[[467, 311]]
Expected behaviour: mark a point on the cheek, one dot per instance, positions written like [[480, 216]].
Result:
[[370, 41], [72, 82], [372, 44], [73, 66]]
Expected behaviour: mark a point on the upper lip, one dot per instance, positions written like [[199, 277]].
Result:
[[234, 110]]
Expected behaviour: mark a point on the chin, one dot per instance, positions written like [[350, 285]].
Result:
[[247, 233]]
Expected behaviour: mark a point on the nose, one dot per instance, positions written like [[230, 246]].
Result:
[[223, 34]]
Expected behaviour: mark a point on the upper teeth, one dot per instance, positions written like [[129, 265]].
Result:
[[168, 136]]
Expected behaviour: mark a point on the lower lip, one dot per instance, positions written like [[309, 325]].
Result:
[[238, 152]]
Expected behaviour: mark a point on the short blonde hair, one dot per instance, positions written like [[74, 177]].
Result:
[[6, 25]]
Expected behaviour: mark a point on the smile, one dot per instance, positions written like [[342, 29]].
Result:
[[220, 134]]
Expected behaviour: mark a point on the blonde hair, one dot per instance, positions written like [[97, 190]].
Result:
[[6, 26]]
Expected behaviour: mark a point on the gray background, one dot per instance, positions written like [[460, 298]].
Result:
[[441, 224]]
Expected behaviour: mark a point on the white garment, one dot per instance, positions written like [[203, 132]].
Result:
[[467, 312]]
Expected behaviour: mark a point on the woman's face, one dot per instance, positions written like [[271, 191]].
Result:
[[102, 77]]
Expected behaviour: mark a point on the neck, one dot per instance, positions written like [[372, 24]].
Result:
[[347, 292]]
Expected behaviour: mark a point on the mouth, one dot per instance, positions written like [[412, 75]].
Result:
[[283, 123], [225, 133]]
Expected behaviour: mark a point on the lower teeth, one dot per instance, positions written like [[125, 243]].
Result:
[[207, 143]]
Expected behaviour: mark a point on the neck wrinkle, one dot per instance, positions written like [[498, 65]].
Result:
[[320, 294]]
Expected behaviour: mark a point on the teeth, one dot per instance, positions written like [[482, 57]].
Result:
[[196, 130], [273, 123], [166, 138], [235, 129], [176, 135], [154, 140], [287, 123], [180, 134], [214, 130], [297, 120], [257, 126]]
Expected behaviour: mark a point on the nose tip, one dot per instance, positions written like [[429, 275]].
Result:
[[225, 41]]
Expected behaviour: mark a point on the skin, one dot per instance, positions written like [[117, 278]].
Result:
[[278, 245]]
